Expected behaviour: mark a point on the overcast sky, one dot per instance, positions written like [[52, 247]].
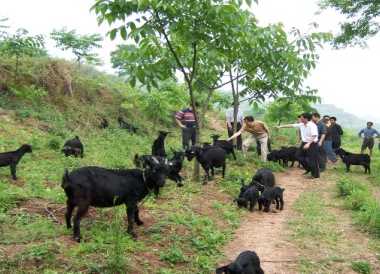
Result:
[[347, 78]]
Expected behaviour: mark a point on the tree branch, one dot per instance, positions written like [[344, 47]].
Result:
[[194, 62]]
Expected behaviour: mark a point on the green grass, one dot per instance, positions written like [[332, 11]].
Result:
[[361, 267]]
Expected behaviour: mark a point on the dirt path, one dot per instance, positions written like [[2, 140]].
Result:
[[266, 233]]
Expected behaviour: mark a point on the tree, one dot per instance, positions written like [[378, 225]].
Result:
[[285, 110], [22, 44], [80, 45], [361, 21], [203, 40]]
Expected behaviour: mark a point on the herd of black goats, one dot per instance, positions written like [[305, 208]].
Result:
[[102, 187]]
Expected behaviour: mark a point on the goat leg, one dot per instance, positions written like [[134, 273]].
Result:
[[131, 209], [82, 210], [69, 213], [13, 171], [137, 218]]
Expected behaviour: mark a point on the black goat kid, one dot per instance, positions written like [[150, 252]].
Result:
[[246, 263], [12, 158], [101, 187], [269, 195], [73, 147], [226, 145]]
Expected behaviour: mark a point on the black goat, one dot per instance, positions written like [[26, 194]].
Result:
[[246, 263], [226, 145], [12, 158], [265, 177], [211, 158], [103, 123], [158, 148], [124, 125], [73, 147], [101, 187], [248, 196], [269, 195], [284, 156], [175, 167], [354, 159]]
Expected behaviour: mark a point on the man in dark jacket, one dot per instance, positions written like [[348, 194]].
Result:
[[336, 133]]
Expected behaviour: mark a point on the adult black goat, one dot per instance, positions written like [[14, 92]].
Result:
[[210, 158], [349, 159], [265, 177], [12, 158], [158, 147], [101, 187]]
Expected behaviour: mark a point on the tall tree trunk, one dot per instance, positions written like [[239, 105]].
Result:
[[235, 96]]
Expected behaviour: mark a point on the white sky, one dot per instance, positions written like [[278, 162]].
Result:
[[346, 78]]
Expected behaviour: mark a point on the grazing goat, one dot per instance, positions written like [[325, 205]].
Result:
[[124, 125], [248, 196], [246, 263], [226, 145], [211, 158], [354, 159], [269, 195], [73, 147], [101, 187], [158, 148], [265, 177], [12, 158], [103, 123]]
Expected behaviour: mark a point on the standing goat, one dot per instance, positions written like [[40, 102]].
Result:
[[12, 158]]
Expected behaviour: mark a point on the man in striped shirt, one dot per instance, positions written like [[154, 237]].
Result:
[[185, 119]]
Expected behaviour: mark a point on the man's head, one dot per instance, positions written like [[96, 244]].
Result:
[[326, 119], [315, 117], [305, 117], [249, 119], [369, 124], [332, 119]]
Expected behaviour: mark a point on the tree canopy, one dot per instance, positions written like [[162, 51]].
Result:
[[80, 45], [362, 20]]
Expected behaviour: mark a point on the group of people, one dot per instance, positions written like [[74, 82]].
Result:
[[319, 137]]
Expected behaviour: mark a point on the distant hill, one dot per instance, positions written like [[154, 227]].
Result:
[[345, 119]]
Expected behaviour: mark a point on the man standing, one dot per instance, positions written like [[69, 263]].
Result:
[[230, 124], [309, 156], [327, 145], [322, 130], [185, 119], [336, 133], [257, 131], [369, 134]]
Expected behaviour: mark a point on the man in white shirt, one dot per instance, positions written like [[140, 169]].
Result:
[[309, 156], [230, 125]]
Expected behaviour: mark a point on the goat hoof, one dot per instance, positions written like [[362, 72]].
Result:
[[77, 239]]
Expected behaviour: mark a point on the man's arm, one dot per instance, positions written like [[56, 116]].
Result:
[[288, 126], [340, 130], [178, 118], [237, 133], [179, 123], [361, 132]]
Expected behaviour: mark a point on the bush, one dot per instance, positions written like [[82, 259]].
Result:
[[362, 267]]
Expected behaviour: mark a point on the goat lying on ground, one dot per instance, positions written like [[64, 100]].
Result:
[[158, 148], [226, 145], [269, 195], [73, 147], [12, 158], [124, 125], [248, 196], [265, 177], [354, 159], [101, 187], [210, 158], [246, 263]]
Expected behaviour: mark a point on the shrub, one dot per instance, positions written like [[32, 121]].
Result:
[[362, 267]]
